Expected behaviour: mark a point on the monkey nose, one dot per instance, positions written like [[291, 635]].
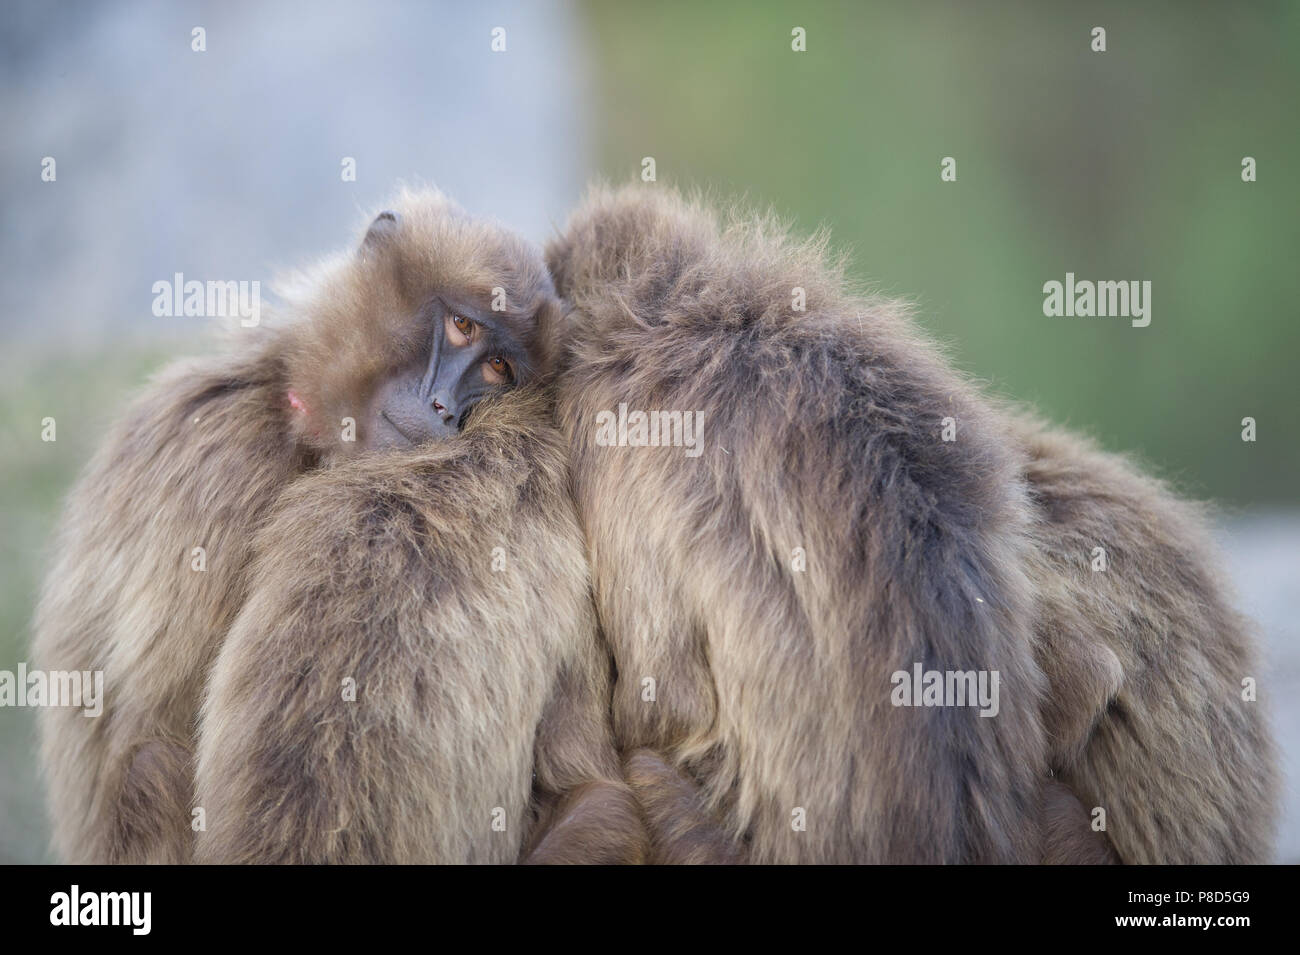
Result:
[[447, 415]]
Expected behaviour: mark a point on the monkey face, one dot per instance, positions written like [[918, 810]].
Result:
[[401, 339], [469, 356]]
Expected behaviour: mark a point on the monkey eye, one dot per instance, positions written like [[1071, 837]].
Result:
[[497, 370], [459, 329]]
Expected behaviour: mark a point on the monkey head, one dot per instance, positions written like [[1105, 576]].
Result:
[[394, 344]]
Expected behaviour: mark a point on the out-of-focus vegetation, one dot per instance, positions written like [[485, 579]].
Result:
[[1117, 165]]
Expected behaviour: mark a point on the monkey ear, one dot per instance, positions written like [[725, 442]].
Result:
[[384, 226]]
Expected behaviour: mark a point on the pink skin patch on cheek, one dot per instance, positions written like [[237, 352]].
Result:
[[300, 406]]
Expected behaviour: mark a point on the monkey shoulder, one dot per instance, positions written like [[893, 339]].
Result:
[[1122, 539], [197, 417], [187, 468]]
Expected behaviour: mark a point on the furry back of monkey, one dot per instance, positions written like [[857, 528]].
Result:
[[853, 510]]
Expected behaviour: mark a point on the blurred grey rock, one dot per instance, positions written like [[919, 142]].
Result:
[[1264, 554], [226, 164]]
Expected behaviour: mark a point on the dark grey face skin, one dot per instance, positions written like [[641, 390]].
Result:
[[470, 356], [472, 352]]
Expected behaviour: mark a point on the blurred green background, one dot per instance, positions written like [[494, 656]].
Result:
[[1117, 165]]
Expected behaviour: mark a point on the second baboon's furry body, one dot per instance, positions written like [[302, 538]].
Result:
[[1145, 658], [821, 444], [857, 509]]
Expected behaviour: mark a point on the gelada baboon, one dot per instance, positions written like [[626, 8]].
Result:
[[1145, 658], [396, 633], [465, 680], [792, 503]]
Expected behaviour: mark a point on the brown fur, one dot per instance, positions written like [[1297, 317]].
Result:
[[682, 829], [822, 431], [201, 460], [196, 462], [597, 823], [1145, 660], [395, 589], [153, 810], [1068, 836]]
